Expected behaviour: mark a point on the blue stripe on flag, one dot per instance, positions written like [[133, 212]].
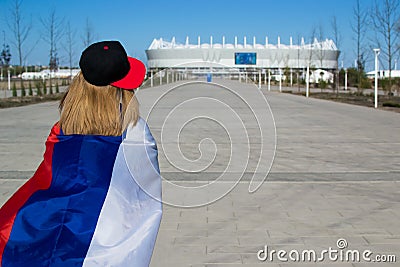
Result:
[[55, 226]]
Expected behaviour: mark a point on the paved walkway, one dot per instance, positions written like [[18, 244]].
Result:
[[335, 174]]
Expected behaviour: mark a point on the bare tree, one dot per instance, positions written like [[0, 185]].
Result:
[[337, 38], [53, 27], [385, 18], [70, 35], [88, 34], [311, 51], [299, 45], [320, 55], [321, 50], [5, 56], [20, 30], [359, 26]]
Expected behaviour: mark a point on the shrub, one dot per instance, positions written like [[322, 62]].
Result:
[[14, 90], [44, 88], [391, 104], [23, 92], [38, 90], [322, 84], [30, 89], [366, 84]]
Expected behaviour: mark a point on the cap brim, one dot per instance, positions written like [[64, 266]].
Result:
[[135, 76]]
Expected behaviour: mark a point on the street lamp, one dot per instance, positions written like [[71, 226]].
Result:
[[308, 81], [377, 52], [9, 78], [269, 80]]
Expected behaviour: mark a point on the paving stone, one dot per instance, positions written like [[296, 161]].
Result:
[[336, 174]]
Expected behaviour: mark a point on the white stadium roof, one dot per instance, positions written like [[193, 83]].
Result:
[[171, 54], [327, 44]]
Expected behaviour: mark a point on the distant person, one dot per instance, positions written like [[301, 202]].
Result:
[[95, 200]]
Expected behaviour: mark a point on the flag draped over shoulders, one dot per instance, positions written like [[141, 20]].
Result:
[[93, 201]]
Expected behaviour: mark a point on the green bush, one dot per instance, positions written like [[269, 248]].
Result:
[[51, 89], [44, 88], [30, 89], [384, 83], [38, 88], [23, 92], [366, 84], [391, 104], [322, 84], [14, 90]]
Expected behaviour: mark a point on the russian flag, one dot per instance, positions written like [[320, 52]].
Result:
[[93, 201]]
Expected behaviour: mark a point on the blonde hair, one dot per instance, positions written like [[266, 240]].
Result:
[[95, 110]]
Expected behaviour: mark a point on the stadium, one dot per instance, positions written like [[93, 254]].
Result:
[[244, 57]]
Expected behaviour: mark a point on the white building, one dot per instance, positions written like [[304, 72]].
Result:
[[383, 74], [46, 74], [249, 55], [320, 74]]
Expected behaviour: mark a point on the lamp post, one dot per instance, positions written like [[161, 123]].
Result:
[[377, 52], [9, 79], [345, 79], [308, 81]]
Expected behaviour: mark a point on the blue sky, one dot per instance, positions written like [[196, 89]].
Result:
[[136, 23]]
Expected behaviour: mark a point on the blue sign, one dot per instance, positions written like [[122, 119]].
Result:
[[245, 58]]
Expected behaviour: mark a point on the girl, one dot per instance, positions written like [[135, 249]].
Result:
[[95, 200]]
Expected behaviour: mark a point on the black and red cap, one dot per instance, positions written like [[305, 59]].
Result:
[[106, 63]]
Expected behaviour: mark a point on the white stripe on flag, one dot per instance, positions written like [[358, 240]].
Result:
[[129, 220]]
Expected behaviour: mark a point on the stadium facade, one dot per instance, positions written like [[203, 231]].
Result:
[[245, 56]]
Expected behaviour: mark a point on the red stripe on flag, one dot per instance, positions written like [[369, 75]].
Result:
[[41, 180]]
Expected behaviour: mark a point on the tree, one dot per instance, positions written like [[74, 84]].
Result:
[[321, 50], [14, 90], [69, 45], [88, 34], [20, 30], [30, 89], [312, 45], [38, 90], [337, 40], [44, 87], [53, 27], [54, 61], [359, 26], [5, 56], [299, 46], [385, 18], [337, 37], [23, 92]]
